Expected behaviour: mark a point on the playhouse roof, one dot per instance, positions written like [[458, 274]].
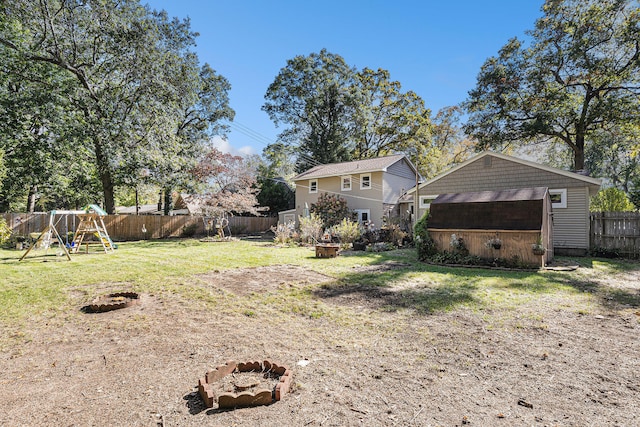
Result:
[[514, 195], [517, 209]]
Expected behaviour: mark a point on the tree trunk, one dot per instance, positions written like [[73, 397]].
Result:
[[168, 201], [578, 153], [107, 190], [105, 178], [31, 199]]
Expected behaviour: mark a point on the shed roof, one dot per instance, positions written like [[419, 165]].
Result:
[[376, 164], [518, 194]]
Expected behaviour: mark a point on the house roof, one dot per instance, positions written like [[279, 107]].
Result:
[[151, 209], [586, 179], [519, 194], [377, 164]]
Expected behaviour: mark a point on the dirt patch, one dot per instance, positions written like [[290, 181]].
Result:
[[543, 363], [244, 281]]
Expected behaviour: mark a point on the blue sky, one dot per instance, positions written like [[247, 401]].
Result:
[[434, 48]]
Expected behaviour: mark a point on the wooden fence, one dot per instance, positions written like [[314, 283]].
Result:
[[616, 232], [130, 227]]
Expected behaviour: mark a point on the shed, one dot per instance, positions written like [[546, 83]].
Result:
[[518, 218], [489, 171]]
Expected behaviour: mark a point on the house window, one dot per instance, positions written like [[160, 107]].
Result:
[[313, 186], [346, 183], [558, 198], [365, 181], [364, 215], [425, 201]]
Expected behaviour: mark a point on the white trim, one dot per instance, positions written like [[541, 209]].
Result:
[[563, 198], [572, 175], [311, 189], [423, 205], [343, 187], [362, 177]]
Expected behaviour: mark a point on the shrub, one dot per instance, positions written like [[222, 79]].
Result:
[[601, 252], [5, 232], [331, 209], [310, 228], [189, 230], [283, 233], [380, 247], [425, 245], [347, 231], [611, 200], [392, 233]]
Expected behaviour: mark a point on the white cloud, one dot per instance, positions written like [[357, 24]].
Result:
[[226, 147]]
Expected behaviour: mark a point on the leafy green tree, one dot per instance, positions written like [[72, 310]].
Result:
[[275, 169], [32, 122], [3, 169], [580, 73], [610, 200], [450, 144], [137, 96], [336, 113], [611, 155], [278, 161], [387, 120], [313, 95], [276, 195]]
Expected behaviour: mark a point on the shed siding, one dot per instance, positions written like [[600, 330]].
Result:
[[571, 224], [501, 175]]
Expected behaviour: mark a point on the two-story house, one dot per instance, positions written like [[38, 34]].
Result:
[[371, 187]]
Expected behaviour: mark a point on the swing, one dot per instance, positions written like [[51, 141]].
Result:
[[46, 238], [91, 223]]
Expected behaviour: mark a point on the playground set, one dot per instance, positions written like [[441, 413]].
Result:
[[90, 226]]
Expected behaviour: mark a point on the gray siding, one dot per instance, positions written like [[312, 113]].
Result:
[[500, 175], [402, 169], [571, 224], [395, 185]]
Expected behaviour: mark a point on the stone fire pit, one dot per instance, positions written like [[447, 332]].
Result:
[[247, 390], [113, 301]]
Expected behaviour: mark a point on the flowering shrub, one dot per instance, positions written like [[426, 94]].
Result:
[[331, 209], [347, 231], [457, 244], [283, 233], [310, 228], [493, 243]]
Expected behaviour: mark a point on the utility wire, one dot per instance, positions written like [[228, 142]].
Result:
[[264, 140]]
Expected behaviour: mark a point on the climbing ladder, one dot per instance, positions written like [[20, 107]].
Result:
[[91, 224]]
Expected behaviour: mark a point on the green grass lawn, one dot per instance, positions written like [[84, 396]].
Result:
[[42, 285]]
